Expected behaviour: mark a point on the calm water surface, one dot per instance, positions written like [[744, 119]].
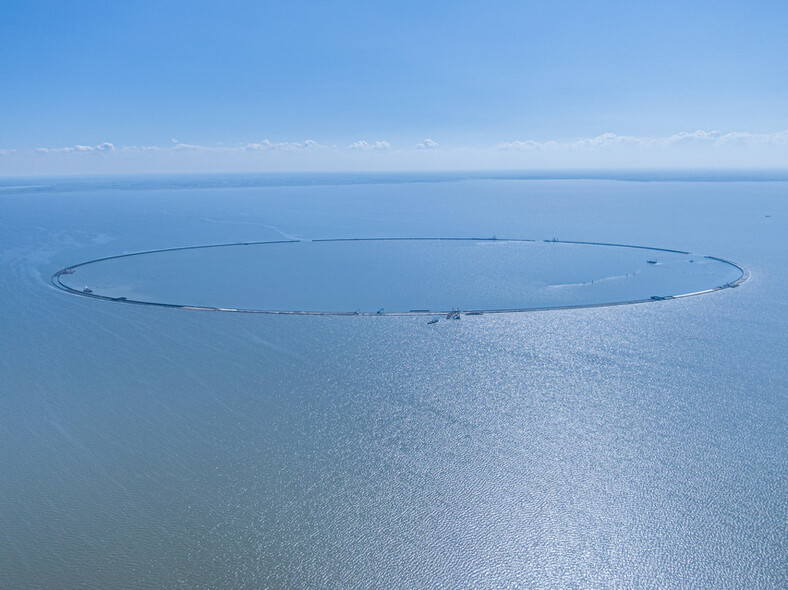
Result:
[[394, 275], [636, 446]]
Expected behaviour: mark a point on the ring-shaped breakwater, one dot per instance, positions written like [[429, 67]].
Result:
[[399, 276]]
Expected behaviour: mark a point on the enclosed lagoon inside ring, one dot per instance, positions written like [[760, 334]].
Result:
[[386, 276]]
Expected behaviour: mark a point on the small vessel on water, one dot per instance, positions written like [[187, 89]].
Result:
[[651, 261], [87, 290], [67, 271], [433, 321], [454, 314]]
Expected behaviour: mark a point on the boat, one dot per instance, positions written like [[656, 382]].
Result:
[[433, 321], [67, 271], [651, 261], [87, 290]]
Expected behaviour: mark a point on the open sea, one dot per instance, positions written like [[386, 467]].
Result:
[[634, 446]]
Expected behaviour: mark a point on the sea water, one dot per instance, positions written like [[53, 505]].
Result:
[[632, 446]]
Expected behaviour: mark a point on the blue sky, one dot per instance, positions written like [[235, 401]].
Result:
[[177, 86]]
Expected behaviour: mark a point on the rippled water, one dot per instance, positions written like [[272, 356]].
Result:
[[636, 446]]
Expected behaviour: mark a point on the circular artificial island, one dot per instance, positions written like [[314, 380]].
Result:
[[399, 276]]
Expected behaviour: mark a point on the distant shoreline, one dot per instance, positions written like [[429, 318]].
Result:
[[138, 182]]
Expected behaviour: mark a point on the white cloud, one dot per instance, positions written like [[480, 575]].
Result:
[[694, 136], [140, 148], [699, 148], [366, 146], [261, 145], [599, 143], [102, 147], [427, 144], [189, 146], [522, 146], [606, 140], [739, 137], [265, 144], [286, 146]]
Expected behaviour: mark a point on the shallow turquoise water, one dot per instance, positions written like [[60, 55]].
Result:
[[636, 446]]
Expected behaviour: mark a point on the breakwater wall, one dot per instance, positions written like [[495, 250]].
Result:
[[57, 278]]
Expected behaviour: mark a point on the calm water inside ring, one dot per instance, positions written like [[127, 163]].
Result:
[[408, 275]]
